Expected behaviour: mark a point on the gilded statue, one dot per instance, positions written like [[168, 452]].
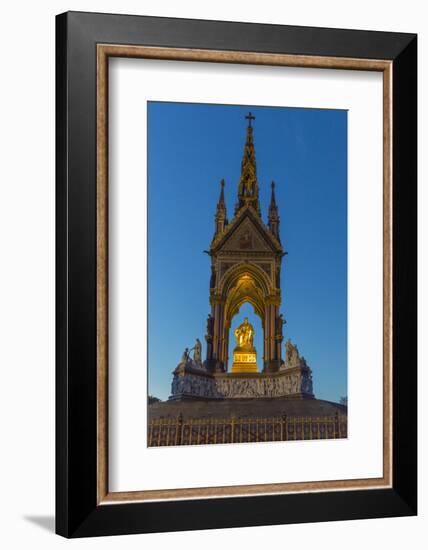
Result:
[[244, 335]]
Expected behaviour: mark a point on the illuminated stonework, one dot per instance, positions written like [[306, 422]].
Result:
[[244, 363], [244, 357]]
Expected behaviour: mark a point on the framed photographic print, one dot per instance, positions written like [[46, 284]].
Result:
[[236, 274]]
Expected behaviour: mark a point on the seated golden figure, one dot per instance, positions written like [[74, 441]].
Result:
[[244, 355]]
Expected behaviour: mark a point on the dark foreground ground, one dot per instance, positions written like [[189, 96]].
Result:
[[245, 408]]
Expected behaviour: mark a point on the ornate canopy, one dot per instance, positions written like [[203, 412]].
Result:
[[246, 257]]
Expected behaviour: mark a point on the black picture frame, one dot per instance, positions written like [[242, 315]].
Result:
[[77, 512]]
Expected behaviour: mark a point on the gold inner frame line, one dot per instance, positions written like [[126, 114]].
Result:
[[104, 51]]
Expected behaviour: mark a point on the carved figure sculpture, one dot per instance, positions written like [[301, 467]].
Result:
[[197, 351], [292, 358], [185, 357]]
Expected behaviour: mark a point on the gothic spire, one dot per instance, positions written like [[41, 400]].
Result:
[[273, 207], [248, 189], [221, 214], [221, 202], [273, 217]]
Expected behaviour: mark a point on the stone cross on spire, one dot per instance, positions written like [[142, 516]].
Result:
[[250, 117], [248, 188]]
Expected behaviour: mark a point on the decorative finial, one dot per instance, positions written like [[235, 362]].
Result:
[[273, 218], [221, 214], [250, 117], [272, 198], [221, 204]]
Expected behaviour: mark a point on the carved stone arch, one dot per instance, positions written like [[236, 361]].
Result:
[[245, 290], [241, 283], [233, 274]]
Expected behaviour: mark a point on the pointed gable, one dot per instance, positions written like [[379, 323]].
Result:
[[246, 233]]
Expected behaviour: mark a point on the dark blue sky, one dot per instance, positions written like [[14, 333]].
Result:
[[191, 147]]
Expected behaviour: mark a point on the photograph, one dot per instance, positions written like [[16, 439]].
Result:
[[247, 273]]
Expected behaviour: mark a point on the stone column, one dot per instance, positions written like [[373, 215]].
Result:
[[225, 354], [212, 339], [218, 356], [266, 334], [209, 338], [216, 331], [279, 338], [272, 331], [272, 353]]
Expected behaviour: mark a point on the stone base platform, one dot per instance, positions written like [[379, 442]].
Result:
[[245, 408], [191, 382]]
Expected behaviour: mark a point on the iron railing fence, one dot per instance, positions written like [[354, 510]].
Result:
[[203, 431]]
